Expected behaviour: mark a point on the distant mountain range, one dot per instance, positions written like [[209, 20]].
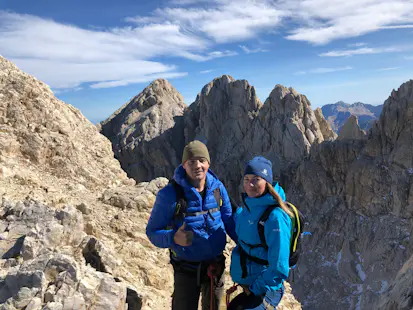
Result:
[[337, 114]]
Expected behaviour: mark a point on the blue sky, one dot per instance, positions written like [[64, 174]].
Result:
[[96, 55]]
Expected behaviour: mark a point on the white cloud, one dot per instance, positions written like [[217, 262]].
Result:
[[325, 20], [321, 21], [206, 71], [397, 27], [143, 19], [388, 69], [68, 56], [408, 57], [62, 74], [62, 91], [362, 51], [65, 56], [208, 56], [51, 40], [224, 20], [142, 79], [323, 70], [253, 50], [359, 44]]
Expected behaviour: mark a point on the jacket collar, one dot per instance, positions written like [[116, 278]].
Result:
[[262, 201], [181, 179]]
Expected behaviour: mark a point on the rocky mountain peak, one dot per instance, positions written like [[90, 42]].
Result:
[[155, 93], [361, 198], [351, 130], [327, 132], [292, 111], [222, 99], [228, 116], [160, 94], [41, 136], [219, 82], [154, 113], [394, 129], [70, 238], [338, 113]]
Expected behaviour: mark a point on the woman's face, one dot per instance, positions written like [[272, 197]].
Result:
[[254, 185]]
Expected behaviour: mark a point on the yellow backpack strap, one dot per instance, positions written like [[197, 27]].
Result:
[[298, 225]]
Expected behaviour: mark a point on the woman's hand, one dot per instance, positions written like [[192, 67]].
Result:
[[246, 300]]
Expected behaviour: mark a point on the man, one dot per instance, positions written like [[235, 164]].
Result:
[[197, 224]]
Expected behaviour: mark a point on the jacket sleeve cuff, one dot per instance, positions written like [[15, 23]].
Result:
[[170, 238]]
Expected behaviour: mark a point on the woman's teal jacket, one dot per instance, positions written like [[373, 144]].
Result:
[[277, 232]]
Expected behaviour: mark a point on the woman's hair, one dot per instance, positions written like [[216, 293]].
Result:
[[277, 197]]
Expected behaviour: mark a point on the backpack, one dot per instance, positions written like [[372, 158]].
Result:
[[181, 206], [295, 244], [297, 229]]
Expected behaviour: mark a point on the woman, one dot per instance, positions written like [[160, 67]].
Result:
[[261, 269]]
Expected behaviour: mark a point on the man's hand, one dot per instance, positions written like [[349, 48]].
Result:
[[183, 237]]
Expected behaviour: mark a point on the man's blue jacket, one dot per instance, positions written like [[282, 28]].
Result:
[[209, 230]]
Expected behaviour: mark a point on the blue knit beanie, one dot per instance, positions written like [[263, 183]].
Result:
[[260, 166]]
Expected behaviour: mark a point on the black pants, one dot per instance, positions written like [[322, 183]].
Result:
[[190, 281]]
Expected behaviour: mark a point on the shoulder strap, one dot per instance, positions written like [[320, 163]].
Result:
[[181, 204], [261, 225], [244, 203], [217, 196], [297, 226]]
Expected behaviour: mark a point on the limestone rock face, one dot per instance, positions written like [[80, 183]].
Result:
[[227, 116], [325, 128], [53, 137], [391, 135], [357, 196], [222, 117], [142, 131], [290, 123], [351, 130], [400, 292], [43, 236], [282, 131]]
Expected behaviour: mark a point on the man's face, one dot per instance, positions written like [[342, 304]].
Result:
[[196, 168]]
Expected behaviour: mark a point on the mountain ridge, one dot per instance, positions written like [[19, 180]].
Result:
[[338, 113]]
